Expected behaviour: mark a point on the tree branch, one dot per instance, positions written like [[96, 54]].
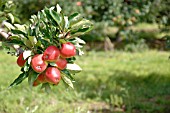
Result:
[[6, 36]]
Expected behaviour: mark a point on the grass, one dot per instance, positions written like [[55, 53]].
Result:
[[110, 82]]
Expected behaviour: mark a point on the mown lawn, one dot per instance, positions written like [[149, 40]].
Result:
[[110, 82]]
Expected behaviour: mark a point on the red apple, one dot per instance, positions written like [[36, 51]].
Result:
[[61, 63], [79, 3], [52, 75], [68, 50], [51, 54], [36, 83], [37, 64], [20, 60], [40, 79]]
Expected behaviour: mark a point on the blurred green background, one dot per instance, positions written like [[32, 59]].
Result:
[[125, 66]]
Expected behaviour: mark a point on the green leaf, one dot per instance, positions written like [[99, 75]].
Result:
[[74, 18], [67, 73], [26, 66], [32, 39], [67, 80], [27, 43], [48, 16], [80, 52], [78, 46], [82, 24], [32, 77], [66, 22], [11, 17], [73, 67], [80, 41], [29, 60], [15, 37], [20, 27], [58, 8], [9, 26], [62, 22], [55, 16], [62, 41], [53, 64], [71, 60], [2, 18], [33, 19], [19, 79], [47, 87], [19, 32], [80, 31], [71, 17], [81, 28], [15, 41], [26, 54], [38, 44], [17, 20]]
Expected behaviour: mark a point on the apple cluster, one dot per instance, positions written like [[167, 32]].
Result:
[[52, 54]]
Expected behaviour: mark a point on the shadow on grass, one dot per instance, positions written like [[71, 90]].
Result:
[[129, 92]]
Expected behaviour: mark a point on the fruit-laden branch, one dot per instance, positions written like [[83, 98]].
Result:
[[6, 36]]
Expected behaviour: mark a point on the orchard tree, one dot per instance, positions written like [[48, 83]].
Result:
[[121, 14], [105, 13]]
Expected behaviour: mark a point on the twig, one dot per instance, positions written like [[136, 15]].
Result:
[[6, 36]]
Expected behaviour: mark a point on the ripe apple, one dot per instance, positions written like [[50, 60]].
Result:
[[79, 3], [40, 79], [61, 63], [67, 50], [52, 75], [37, 64], [36, 83], [20, 60], [51, 54]]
